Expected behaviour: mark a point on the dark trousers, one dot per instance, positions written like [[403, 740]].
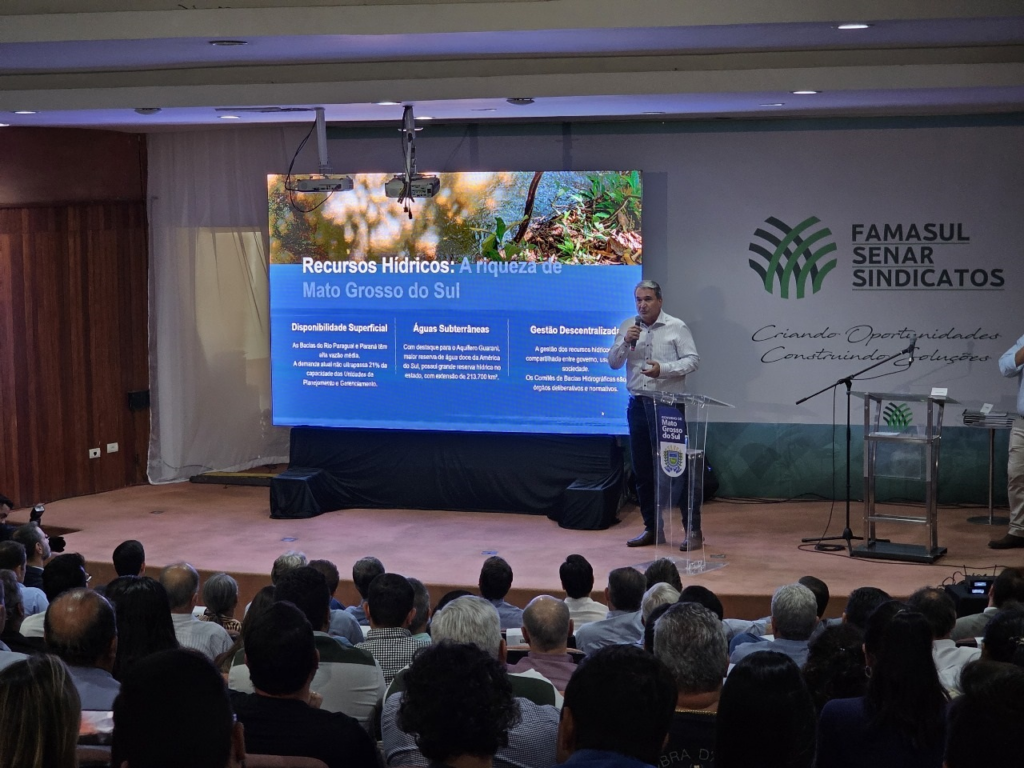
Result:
[[641, 415]]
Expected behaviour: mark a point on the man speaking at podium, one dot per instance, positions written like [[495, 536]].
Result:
[[658, 351]]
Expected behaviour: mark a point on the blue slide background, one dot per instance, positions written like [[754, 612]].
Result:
[[502, 395]]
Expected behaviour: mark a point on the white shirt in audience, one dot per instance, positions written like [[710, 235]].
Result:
[[32, 626], [33, 599], [584, 610], [207, 637], [950, 659]]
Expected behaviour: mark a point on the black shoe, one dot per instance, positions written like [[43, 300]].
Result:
[[646, 539], [1009, 541], [692, 543]]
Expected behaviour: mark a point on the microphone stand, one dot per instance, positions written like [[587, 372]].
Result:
[[847, 381]]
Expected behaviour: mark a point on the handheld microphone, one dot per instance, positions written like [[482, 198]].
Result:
[[636, 323], [913, 346]]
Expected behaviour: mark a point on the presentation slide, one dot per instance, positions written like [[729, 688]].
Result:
[[489, 308]]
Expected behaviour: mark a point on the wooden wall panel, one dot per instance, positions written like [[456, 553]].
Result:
[[73, 318]]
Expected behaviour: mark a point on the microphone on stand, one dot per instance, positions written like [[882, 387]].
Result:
[[911, 348], [636, 322]]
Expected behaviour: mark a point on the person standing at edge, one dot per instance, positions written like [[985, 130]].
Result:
[[658, 351], [1012, 364]]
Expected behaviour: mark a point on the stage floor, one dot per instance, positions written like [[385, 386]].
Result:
[[228, 528]]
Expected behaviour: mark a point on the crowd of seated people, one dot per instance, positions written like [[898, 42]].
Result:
[[652, 673]]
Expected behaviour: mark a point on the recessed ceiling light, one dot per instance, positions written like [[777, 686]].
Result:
[[424, 117], [24, 112], [228, 43], [520, 101], [776, 104], [387, 103], [229, 117], [805, 93], [5, 125], [854, 25]]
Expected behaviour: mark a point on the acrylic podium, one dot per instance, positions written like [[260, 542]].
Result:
[[895, 449]]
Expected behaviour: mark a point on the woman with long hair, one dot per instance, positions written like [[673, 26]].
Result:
[[144, 623], [835, 665], [901, 719], [40, 713], [765, 715]]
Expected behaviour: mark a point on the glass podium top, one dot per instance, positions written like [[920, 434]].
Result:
[[906, 397]]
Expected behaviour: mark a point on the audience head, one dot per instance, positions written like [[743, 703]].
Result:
[[458, 701], [660, 593], [1004, 638], [289, 561], [984, 721], [620, 699], [765, 715], [181, 581], [364, 571], [695, 593], [421, 606], [546, 624], [12, 557], [861, 602], [937, 607], [390, 601], [35, 541], [835, 665], [794, 612], [1008, 587], [10, 597], [577, 576], [80, 627], [143, 619], [40, 713], [469, 619], [626, 588], [820, 590], [220, 594], [262, 600], [280, 650], [663, 570], [650, 622], [691, 641], [306, 589], [129, 558], [329, 571], [173, 710], [62, 573], [447, 597], [495, 578]]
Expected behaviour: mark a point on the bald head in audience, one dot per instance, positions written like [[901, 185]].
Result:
[[181, 581], [81, 629], [546, 625]]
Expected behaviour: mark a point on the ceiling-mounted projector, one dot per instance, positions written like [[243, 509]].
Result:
[[324, 184], [420, 186]]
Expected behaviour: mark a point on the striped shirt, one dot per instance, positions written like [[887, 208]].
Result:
[[208, 638]]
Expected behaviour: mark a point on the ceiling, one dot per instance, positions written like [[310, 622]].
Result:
[[93, 63]]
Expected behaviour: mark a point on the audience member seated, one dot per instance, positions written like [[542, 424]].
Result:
[[765, 716], [741, 631], [279, 716], [617, 712], [389, 607], [984, 722], [940, 611], [348, 679], [365, 570], [129, 558], [546, 629], [861, 603], [181, 581], [900, 721], [495, 582], [663, 571], [577, 576], [695, 593], [448, 597], [624, 593], [220, 596], [343, 624], [1004, 638], [835, 665], [690, 640], [1007, 588], [659, 593], [12, 558], [459, 706], [37, 551], [144, 625], [794, 617], [82, 631], [419, 626], [531, 742], [234, 655], [287, 561], [39, 714], [12, 613], [174, 711], [62, 573]]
